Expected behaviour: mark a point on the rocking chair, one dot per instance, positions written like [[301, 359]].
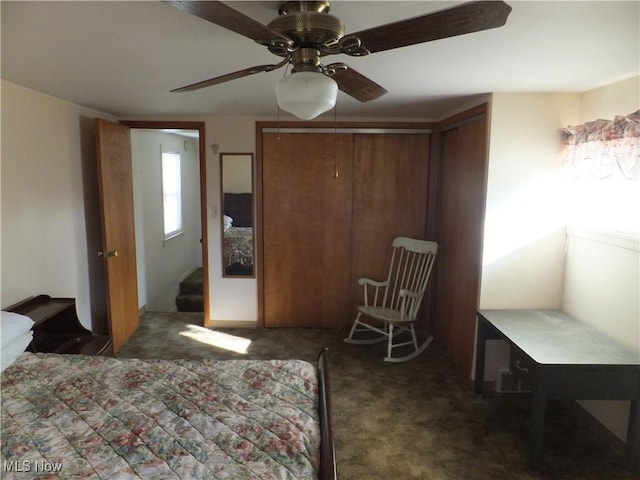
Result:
[[397, 300]]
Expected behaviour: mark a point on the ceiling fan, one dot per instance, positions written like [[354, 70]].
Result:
[[305, 32]]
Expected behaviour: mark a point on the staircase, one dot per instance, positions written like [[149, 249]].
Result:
[[190, 298]]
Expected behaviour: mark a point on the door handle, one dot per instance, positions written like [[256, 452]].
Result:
[[111, 253]]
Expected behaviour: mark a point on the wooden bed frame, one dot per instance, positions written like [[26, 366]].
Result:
[[327, 445]]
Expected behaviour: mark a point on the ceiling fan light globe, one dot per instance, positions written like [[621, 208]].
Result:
[[306, 94]]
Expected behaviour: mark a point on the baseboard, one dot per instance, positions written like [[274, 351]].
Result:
[[488, 388], [232, 324]]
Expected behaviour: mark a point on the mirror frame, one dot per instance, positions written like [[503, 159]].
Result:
[[230, 157]]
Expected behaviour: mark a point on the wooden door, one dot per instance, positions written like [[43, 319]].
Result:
[[461, 203], [390, 178], [115, 181], [306, 228]]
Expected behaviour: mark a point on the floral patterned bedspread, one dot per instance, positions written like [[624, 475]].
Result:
[[238, 246], [71, 416]]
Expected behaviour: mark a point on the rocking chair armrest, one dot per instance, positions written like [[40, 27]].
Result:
[[408, 293], [367, 282], [373, 283]]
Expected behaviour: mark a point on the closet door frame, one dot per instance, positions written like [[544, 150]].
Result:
[[326, 127]]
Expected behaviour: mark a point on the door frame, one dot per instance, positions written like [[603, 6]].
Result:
[[202, 149]]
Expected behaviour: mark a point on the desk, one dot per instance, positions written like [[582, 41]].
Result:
[[562, 358]]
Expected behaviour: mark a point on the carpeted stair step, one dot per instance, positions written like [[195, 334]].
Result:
[[191, 291], [192, 285], [190, 303]]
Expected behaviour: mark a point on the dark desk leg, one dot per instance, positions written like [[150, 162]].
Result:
[[633, 437], [538, 405], [481, 346]]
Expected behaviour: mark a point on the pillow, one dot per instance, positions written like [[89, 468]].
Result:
[[10, 352], [12, 325], [228, 222]]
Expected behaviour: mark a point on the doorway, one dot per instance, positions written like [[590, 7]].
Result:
[[169, 262]]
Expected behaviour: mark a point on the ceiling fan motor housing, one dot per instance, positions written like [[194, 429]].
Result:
[[308, 24], [291, 6]]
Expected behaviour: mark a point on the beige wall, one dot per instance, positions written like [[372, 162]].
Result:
[[50, 217], [231, 299], [619, 98], [524, 228], [237, 173]]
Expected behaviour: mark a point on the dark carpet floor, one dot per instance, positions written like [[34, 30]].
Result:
[[416, 420]]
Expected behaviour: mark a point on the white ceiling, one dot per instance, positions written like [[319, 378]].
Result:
[[124, 57]]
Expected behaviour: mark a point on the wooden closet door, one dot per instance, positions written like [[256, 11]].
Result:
[[461, 201], [306, 222], [390, 178]]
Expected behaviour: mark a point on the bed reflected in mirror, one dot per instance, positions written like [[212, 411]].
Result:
[[236, 173]]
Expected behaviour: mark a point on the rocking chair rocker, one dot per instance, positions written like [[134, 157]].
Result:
[[397, 300]]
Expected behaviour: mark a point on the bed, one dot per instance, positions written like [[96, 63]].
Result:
[[75, 416]]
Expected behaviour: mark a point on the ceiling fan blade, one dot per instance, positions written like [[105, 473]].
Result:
[[231, 76], [227, 17], [459, 20], [355, 84]]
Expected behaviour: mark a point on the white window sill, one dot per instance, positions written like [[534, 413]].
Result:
[[171, 237], [630, 241]]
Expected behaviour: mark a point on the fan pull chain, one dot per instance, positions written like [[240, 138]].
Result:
[[278, 129], [336, 173]]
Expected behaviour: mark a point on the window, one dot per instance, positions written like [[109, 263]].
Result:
[[602, 167], [171, 194]]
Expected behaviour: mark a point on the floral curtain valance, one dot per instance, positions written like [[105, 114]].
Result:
[[603, 148]]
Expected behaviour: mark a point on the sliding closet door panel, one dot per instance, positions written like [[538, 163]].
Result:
[[462, 190], [306, 221], [390, 178]]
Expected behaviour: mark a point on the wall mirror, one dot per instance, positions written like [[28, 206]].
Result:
[[236, 174]]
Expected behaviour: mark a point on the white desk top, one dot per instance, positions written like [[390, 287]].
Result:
[[552, 337]]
